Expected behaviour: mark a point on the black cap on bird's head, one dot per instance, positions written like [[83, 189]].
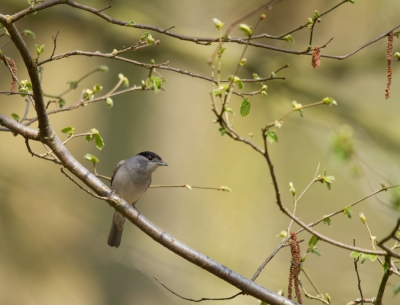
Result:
[[152, 157]]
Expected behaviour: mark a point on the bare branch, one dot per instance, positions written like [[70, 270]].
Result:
[[18, 128]]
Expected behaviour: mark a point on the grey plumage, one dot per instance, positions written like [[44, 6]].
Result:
[[130, 180]]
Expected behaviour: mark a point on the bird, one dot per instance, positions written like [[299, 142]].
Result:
[[130, 180]]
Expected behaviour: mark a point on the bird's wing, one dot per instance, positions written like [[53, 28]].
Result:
[[116, 169]]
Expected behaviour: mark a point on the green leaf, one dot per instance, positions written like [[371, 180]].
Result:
[[329, 101], [30, 33], [271, 136], [316, 14], [348, 212], [327, 221], [72, 84], [150, 39], [223, 131], [155, 83], [61, 102], [352, 1], [245, 107], [289, 38], [248, 30], [362, 257], [69, 130], [39, 49], [313, 241], [144, 36], [316, 252], [372, 257], [236, 80], [15, 116], [355, 254], [240, 84], [109, 102], [282, 234], [132, 23], [91, 158], [25, 86], [385, 267], [99, 141]]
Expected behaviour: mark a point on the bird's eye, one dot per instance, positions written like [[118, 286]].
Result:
[[149, 158]]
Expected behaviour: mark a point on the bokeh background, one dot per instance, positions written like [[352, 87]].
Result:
[[53, 235]]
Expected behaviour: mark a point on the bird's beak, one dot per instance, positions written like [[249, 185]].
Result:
[[162, 163]]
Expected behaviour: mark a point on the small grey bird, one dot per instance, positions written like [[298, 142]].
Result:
[[130, 180]]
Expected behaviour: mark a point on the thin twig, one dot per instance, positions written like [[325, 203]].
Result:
[[41, 156], [82, 188], [198, 300], [222, 188], [54, 44], [358, 275]]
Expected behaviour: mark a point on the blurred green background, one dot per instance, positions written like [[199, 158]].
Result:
[[53, 236]]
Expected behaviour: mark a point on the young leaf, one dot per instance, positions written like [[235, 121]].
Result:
[[99, 141], [313, 241], [348, 212], [69, 130], [271, 136], [15, 116], [223, 131], [245, 107], [372, 257], [144, 36], [355, 254], [329, 101], [218, 23], [385, 267], [316, 252], [109, 102], [39, 49], [30, 33], [289, 38], [91, 158], [61, 102], [248, 30], [327, 221]]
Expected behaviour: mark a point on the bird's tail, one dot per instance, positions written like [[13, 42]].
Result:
[[114, 238]]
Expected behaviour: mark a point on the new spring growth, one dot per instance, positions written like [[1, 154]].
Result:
[[363, 218], [264, 90], [218, 23], [298, 107], [292, 189]]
